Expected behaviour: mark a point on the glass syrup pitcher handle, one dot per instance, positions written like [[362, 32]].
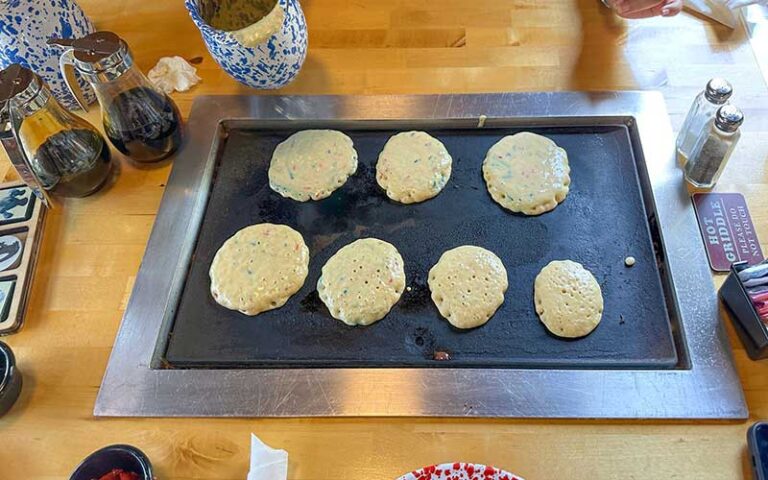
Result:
[[9, 137], [67, 67]]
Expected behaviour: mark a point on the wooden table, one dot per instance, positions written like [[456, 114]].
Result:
[[92, 247]]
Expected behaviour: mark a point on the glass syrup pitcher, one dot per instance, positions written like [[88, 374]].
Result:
[[53, 150], [142, 122]]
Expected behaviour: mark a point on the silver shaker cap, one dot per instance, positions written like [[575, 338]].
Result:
[[729, 118], [718, 90]]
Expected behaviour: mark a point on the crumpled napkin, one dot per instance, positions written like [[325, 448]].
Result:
[[173, 73], [267, 463]]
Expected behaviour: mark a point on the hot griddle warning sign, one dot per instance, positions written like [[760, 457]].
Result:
[[727, 229]]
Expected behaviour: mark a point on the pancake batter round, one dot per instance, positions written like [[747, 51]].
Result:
[[362, 281], [312, 164], [468, 285], [413, 167], [568, 299], [527, 173], [259, 268]]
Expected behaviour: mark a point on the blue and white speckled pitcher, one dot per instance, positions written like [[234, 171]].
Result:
[[261, 43], [26, 26]]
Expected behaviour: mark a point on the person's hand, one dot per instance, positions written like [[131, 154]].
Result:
[[646, 8]]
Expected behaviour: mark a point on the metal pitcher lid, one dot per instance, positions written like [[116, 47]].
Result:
[[14, 80], [95, 52]]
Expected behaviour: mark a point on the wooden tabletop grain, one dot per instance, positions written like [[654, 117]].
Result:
[[93, 247]]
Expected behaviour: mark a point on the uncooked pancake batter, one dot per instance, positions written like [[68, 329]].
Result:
[[259, 268], [250, 22], [568, 299], [362, 281], [312, 164], [468, 285], [413, 167], [527, 173]]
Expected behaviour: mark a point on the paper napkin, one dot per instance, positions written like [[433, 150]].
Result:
[[267, 463]]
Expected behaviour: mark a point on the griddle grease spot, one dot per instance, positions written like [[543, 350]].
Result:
[[416, 298], [272, 209], [420, 340], [312, 303]]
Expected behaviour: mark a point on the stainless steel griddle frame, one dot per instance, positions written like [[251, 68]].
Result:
[[705, 386]]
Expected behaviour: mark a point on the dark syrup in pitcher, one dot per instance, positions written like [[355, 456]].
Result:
[[73, 163], [143, 124]]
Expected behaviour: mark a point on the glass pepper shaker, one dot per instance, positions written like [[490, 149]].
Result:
[[714, 148], [142, 122], [53, 150], [716, 93]]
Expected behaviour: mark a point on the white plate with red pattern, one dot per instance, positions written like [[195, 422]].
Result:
[[459, 471]]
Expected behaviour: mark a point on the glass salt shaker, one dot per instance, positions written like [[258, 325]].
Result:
[[716, 93], [714, 148]]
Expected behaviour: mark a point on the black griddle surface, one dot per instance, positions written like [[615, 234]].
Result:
[[602, 221]]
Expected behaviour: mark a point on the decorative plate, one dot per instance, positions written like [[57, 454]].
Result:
[[459, 471], [10, 252]]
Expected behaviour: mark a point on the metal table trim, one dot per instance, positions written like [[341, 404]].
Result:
[[705, 385]]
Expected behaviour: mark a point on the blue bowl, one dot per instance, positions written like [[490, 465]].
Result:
[[10, 379], [103, 461]]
